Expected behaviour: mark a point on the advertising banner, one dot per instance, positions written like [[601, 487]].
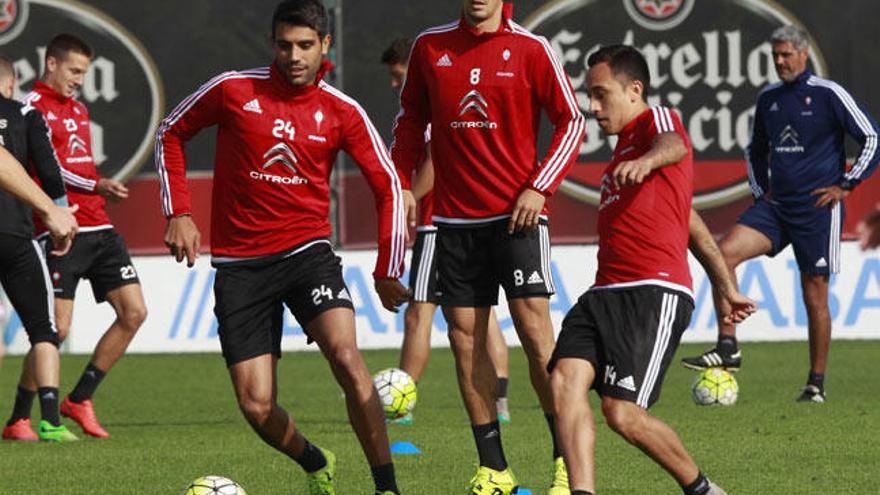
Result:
[[181, 319]]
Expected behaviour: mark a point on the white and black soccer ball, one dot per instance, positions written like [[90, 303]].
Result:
[[214, 485], [397, 392]]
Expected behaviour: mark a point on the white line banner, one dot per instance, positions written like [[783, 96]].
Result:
[[181, 300]]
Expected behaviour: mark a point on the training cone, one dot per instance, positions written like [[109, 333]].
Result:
[[404, 448]]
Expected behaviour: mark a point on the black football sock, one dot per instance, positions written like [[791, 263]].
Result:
[[699, 487], [727, 344], [817, 379], [383, 477], [581, 492], [488, 438], [24, 400], [311, 459], [551, 423], [49, 404], [502, 388], [87, 384]]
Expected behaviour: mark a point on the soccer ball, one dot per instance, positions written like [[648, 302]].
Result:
[[715, 386], [214, 485], [397, 392]]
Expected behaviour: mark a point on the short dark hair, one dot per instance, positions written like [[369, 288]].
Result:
[[309, 13], [64, 43], [626, 60], [397, 52], [7, 70]]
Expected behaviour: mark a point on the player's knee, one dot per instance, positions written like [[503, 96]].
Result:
[[624, 418], [528, 323], [560, 386], [347, 362], [537, 346], [133, 317], [816, 304], [731, 255], [460, 338], [411, 317], [256, 410]]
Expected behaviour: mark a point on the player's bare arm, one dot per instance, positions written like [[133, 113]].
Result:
[[423, 182], [668, 148], [392, 293], [183, 239], [409, 207], [112, 189], [526, 211], [705, 249], [829, 196]]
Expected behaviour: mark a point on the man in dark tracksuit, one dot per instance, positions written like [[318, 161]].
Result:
[[798, 175], [23, 273]]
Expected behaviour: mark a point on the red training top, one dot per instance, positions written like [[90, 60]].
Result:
[[644, 229], [68, 121], [276, 145], [483, 93]]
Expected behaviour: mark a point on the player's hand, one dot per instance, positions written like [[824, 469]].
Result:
[[630, 173], [410, 205], [741, 306], [112, 189], [829, 196], [183, 239], [62, 227], [526, 211], [869, 230], [392, 293]]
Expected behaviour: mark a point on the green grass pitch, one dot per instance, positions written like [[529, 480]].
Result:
[[173, 418]]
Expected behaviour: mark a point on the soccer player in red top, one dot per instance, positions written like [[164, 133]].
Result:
[[98, 253], [279, 130], [621, 335], [419, 314], [482, 83]]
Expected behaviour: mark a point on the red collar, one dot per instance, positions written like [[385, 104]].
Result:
[[636, 121], [506, 18], [47, 91], [281, 81]]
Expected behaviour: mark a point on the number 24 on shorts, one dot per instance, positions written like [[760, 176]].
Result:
[[321, 293]]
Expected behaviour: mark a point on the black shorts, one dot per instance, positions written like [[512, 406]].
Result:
[[472, 261], [628, 335], [423, 267], [26, 281], [100, 256], [250, 299]]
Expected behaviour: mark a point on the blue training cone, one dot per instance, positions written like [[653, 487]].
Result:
[[404, 448], [524, 491]]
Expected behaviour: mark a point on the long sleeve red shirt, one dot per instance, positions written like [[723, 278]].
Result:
[[483, 94], [276, 146], [68, 121]]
